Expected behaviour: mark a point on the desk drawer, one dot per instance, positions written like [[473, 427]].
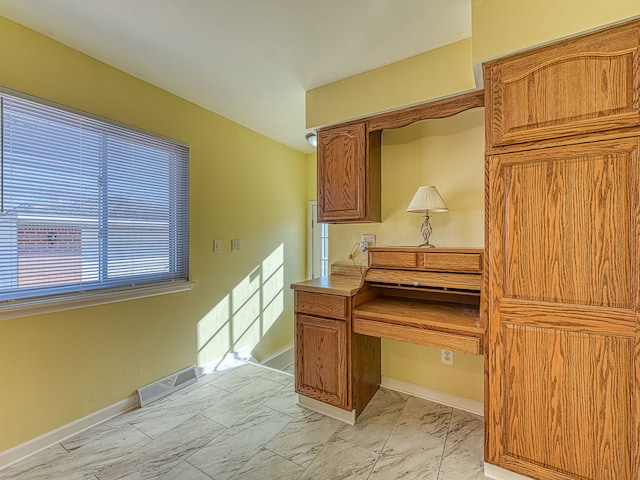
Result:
[[393, 259], [462, 281], [323, 305], [451, 262], [419, 336]]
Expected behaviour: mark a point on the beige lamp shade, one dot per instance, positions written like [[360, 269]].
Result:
[[427, 199]]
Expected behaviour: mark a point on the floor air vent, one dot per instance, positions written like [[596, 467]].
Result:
[[167, 385]]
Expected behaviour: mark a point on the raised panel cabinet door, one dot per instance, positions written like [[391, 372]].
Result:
[[342, 181], [563, 233], [585, 84], [321, 360]]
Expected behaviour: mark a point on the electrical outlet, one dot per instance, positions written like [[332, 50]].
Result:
[[369, 238], [446, 357], [217, 246], [367, 241], [235, 244]]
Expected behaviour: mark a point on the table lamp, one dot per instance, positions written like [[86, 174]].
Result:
[[427, 199]]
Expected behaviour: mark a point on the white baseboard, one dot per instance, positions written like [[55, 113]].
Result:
[[328, 410], [31, 447], [438, 396], [499, 473], [280, 360]]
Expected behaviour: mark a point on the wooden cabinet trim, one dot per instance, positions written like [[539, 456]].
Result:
[[441, 259], [453, 318], [452, 262], [434, 109], [321, 304], [322, 367], [349, 171], [392, 259], [417, 278], [429, 338], [429, 110], [530, 96], [342, 173]]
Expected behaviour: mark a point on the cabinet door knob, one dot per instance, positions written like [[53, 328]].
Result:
[[416, 284]]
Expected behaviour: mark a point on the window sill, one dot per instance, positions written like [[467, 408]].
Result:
[[87, 299]]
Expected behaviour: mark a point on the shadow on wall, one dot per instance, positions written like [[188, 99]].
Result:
[[242, 317]]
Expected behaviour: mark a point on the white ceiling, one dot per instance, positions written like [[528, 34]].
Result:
[[248, 60]]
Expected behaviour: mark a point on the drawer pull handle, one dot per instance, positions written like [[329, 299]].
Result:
[[416, 284]]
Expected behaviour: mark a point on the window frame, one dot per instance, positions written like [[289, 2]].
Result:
[[19, 307], [318, 258]]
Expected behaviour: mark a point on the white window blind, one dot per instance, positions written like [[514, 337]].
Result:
[[86, 204]]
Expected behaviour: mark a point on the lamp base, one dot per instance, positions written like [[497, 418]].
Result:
[[426, 231]]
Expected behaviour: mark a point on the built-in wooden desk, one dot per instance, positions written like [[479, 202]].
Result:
[[429, 296], [425, 296]]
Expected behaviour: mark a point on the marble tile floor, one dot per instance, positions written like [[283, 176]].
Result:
[[244, 423]]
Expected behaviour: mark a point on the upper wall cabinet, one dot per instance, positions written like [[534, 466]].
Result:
[[349, 157], [348, 174], [580, 86]]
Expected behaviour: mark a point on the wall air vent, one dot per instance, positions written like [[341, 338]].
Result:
[[167, 385]]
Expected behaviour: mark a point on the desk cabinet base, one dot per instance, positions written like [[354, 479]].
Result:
[[321, 360]]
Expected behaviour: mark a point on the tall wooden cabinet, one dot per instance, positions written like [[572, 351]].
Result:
[[563, 233]]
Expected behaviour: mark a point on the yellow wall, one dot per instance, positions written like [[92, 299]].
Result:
[[312, 177], [504, 26], [433, 74], [59, 367]]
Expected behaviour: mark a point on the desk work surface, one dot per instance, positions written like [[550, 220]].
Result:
[[343, 285], [429, 297]]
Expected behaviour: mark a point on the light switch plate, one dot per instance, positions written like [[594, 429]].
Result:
[[217, 246], [235, 244]]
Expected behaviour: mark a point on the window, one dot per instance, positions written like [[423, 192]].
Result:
[[86, 204], [318, 244]]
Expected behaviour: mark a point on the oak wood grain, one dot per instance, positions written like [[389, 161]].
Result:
[[344, 285], [494, 368], [345, 268], [394, 259], [562, 243], [349, 174], [445, 315], [456, 318], [433, 109], [585, 84], [427, 295], [341, 173], [430, 259], [430, 338], [321, 360], [467, 281], [567, 211], [569, 401], [579, 318], [332, 306], [366, 369], [451, 262]]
